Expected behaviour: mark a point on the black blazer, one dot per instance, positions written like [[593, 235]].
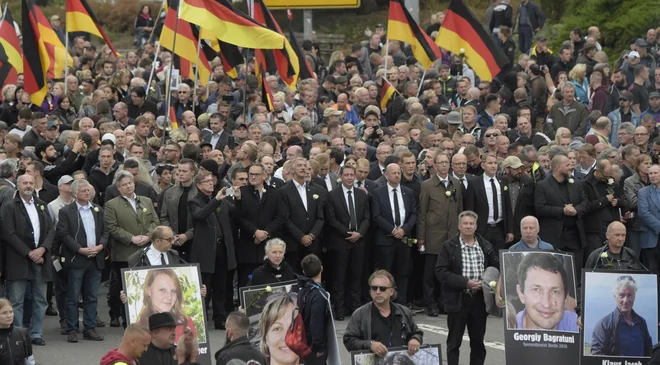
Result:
[[140, 259], [253, 213], [276, 182], [299, 222], [18, 236], [71, 231], [48, 192], [208, 215], [599, 209], [549, 206], [381, 213], [370, 185], [338, 217], [222, 142], [374, 171], [524, 205], [478, 203]]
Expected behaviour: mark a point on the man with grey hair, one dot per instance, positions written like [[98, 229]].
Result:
[[624, 136], [568, 113], [28, 232], [127, 234], [81, 227]]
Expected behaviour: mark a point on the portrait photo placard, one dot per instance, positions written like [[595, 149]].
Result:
[[539, 297], [176, 289], [427, 355], [254, 298], [620, 316]]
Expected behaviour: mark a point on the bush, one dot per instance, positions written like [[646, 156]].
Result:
[[618, 21], [120, 16]]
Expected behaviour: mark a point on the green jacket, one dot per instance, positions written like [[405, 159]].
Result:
[[123, 223]]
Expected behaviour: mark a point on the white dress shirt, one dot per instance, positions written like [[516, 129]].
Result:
[[33, 214], [444, 181], [302, 191], [352, 197], [132, 201], [328, 182], [489, 195], [154, 256], [215, 137], [88, 223], [465, 182], [402, 207]]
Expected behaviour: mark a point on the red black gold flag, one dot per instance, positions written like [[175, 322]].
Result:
[[174, 121], [54, 47], [266, 93], [402, 27], [462, 31], [306, 71], [187, 39], [36, 60], [386, 92], [12, 47], [231, 58], [8, 73], [81, 18], [283, 61], [230, 25]]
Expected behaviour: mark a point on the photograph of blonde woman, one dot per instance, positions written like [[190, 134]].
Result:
[[275, 320]]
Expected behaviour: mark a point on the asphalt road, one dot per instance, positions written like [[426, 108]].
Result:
[[59, 352]]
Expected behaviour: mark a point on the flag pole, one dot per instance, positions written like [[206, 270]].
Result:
[[387, 52], [4, 13], [160, 11], [151, 74], [199, 45], [421, 82], [66, 62], [168, 92]]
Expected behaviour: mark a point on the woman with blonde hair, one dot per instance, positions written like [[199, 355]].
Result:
[[578, 77], [276, 318], [162, 292], [18, 349], [279, 113], [335, 56]]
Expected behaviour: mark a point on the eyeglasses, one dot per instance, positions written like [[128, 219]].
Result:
[[626, 278], [207, 181], [255, 175], [641, 134], [168, 239], [491, 135], [376, 288]]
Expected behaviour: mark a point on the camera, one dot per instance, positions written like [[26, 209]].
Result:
[[230, 191]]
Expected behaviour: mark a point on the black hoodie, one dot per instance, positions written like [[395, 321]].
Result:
[[268, 274]]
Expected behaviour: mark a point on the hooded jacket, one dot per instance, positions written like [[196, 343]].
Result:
[[114, 357], [316, 312]]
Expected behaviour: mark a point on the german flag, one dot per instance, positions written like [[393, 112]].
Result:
[[37, 60], [12, 49], [231, 58], [81, 18], [306, 71], [230, 25], [186, 44], [461, 30], [402, 27], [386, 92], [8, 73], [283, 61], [173, 120], [56, 50]]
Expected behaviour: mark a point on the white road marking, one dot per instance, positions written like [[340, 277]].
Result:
[[445, 332]]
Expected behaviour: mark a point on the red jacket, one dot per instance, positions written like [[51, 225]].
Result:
[[115, 357]]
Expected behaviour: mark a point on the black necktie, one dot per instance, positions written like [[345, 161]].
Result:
[[462, 181], [397, 214], [496, 209], [351, 212], [359, 183], [162, 259]]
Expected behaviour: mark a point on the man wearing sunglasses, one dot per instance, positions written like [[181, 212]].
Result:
[[382, 323]]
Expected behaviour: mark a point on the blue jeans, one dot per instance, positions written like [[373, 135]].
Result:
[[86, 280], [17, 289], [525, 34]]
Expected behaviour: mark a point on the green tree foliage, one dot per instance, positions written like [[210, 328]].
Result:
[[618, 21]]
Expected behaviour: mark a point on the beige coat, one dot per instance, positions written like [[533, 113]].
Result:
[[437, 219]]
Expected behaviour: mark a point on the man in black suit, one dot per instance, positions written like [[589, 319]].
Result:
[[28, 232], [378, 167], [159, 252], [560, 204], [392, 254], [81, 227], [604, 196], [490, 200], [361, 176], [256, 208], [326, 179], [218, 138], [213, 244], [521, 192], [348, 218], [301, 209], [269, 168]]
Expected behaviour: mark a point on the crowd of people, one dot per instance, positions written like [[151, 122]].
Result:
[[394, 207]]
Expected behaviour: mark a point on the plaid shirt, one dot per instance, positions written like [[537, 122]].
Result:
[[473, 260]]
